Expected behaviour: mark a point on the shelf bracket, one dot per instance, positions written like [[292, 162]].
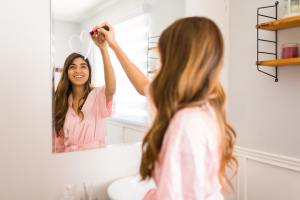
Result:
[[275, 75]]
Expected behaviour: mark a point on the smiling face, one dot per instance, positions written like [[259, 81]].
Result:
[[78, 72]]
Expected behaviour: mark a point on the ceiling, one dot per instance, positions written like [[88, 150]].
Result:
[[77, 10]]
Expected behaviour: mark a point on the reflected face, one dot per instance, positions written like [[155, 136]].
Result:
[[78, 72]]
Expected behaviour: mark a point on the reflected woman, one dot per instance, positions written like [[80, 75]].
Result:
[[80, 109]]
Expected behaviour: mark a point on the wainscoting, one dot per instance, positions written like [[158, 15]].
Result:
[[266, 176]]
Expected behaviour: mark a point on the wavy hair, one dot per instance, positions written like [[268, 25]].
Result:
[[191, 52]]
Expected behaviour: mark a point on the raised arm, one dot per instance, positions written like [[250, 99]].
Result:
[[136, 77], [109, 75]]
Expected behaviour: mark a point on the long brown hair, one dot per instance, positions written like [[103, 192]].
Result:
[[191, 52], [64, 89]]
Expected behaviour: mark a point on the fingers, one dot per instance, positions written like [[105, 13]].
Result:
[[99, 29], [94, 35], [103, 24], [103, 31], [109, 26], [104, 28], [102, 37]]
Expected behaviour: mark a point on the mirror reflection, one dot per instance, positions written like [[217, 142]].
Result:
[[95, 103]]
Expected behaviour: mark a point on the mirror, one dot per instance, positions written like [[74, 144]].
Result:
[[94, 120]]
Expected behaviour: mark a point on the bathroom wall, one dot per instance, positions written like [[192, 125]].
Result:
[[28, 169], [264, 113], [164, 13]]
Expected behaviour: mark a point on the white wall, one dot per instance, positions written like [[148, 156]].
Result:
[[164, 13], [265, 113], [28, 169]]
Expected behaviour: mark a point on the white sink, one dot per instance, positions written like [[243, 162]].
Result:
[[129, 188]]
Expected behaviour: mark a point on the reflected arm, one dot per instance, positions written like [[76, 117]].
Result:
[[136, 77], [109, 75]]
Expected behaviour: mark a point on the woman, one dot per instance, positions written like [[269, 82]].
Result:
[[79, 108], [190, 142]]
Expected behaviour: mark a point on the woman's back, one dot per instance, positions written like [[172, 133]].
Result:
[[188, 163]]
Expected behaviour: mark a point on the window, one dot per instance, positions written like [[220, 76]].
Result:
[[132, 36]]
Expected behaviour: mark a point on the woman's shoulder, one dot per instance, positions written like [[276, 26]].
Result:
[[93, 95], [194, 114], [96, 90], [193, 120]]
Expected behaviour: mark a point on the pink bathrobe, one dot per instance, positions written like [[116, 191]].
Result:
[[188, 163], [87, 133]]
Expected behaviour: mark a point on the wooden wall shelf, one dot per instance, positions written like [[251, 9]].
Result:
[[284, 23], [279, 62], [275, 25]]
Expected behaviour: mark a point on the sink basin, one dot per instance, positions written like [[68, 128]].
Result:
[[129, 188]]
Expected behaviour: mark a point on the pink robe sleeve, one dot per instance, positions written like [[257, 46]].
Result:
[[105, 106], [182, 163]]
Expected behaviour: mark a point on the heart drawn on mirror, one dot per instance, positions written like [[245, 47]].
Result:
[[81, 43]]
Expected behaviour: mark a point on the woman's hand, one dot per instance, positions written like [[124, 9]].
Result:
[[99, 38], [109, 35]]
